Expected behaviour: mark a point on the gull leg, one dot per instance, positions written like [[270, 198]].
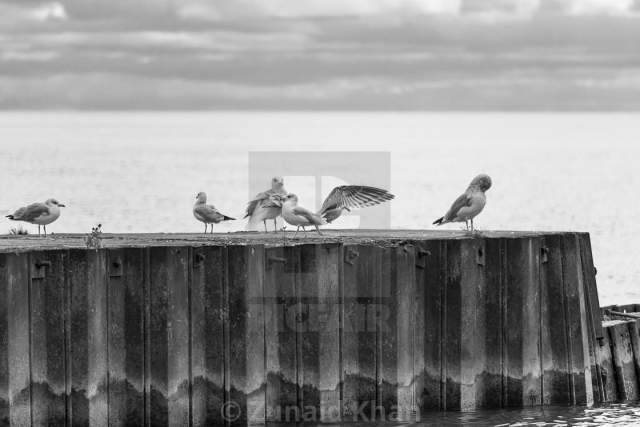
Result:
[[205, 228], [305, 232], [466, 222], [38, 229], [319, 231], [45, 230], [275, 226], [265, 226], [211, 231], [471, 224], [294, 236]]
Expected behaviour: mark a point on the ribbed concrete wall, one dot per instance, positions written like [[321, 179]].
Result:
[[240, 334]]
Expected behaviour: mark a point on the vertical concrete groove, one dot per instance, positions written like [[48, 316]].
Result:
[[225, 332], [67, 339], [503, 317], [378, 343], [29, 317], [540, 320], [503, 314], [443, 330], [190, 256], [340, 326], [146, 334], [572, 394], [265, 348], [107, 284]]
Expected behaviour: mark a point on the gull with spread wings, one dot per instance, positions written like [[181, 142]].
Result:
[[207, 213], [351, 197], [469, 204], [38, 213], [262, 207]]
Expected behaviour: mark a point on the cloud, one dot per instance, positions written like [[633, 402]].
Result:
[[49, 12], [589, 7], [320, 54], [26, 14]]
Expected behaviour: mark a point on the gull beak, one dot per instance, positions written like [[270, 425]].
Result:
[[62, 206]]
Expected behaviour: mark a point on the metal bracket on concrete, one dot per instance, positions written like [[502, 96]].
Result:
[[421, 258], [350, 255], [115, 266], [543, 254], [198, 258], [39, 272], [480, 257], [270, 258]]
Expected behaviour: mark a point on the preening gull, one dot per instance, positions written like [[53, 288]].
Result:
[[262, 208], [469, 204]]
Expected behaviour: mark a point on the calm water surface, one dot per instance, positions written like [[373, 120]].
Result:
[[140, 172], [627, 415]]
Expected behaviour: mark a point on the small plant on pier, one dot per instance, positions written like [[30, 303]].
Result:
[[18, 231], [94, 240]]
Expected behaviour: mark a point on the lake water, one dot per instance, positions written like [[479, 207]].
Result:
[[140, 172]]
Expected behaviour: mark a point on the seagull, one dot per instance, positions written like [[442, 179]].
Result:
[[469, 204], [38, 213], [300, 217], [267, 209], [351, 197], [207, 213]]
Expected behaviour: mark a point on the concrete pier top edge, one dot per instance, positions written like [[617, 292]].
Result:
[[15, 243]]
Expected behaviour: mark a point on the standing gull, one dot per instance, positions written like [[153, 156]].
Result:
[[300, 217], [38, 213], [469, 204], [261, 207], [207, 213], [351, 197]]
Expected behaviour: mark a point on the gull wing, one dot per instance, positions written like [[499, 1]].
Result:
[[354, 197], [31, 212], [16, 215], [308, 215], [257, 201], [210, 214], [463, 201]]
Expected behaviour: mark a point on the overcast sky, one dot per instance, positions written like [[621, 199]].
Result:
[[537, 55]]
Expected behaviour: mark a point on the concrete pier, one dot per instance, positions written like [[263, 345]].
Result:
[[243, 328]]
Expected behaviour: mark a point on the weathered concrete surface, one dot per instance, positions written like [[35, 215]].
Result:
[[623, 359], [10, 243]]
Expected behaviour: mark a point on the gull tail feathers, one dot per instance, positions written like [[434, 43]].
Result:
[[252, 206], [438, 221], [256, 218]]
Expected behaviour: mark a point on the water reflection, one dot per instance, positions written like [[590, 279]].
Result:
[[538, 416]]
